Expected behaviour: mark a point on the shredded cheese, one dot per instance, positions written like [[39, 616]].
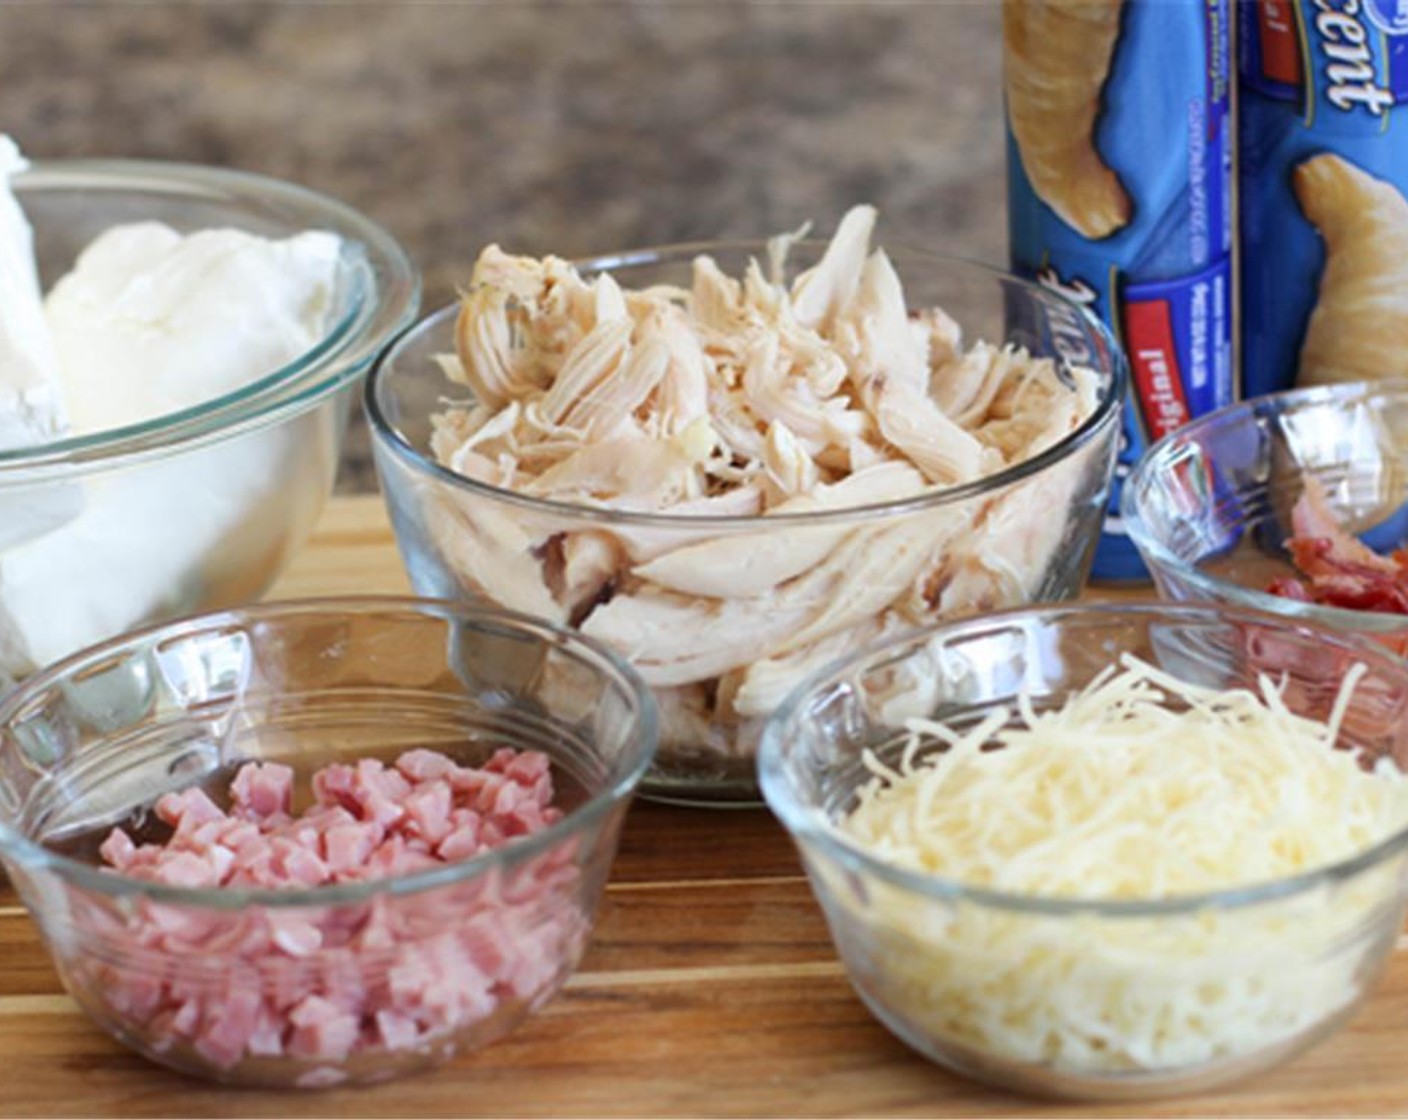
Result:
[[1140, 787]]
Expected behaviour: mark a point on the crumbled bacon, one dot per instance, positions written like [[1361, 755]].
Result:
[[1336, 569]]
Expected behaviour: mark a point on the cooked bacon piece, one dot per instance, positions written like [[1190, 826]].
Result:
[[1339, 570]]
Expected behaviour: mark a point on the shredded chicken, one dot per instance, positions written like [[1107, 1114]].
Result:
[[750, 398]]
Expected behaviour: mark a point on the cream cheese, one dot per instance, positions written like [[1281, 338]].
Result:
[[31, 409], [149, 322], [31, 403]]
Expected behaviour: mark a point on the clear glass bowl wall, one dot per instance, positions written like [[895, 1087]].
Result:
[[237, 482], [93, 741], [1026, 534], [1210, 506], [1119, 998]]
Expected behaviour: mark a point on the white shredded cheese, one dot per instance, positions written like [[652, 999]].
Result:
[[1140, 787]]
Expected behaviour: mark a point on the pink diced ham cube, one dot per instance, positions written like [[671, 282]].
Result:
[[188, 808], [117, 850], [428, 808], [425, 766], [322, 1031], [318, 984], [262, 789]]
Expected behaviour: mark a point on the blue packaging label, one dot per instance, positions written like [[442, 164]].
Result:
[[1122, 199], [1323, 178]]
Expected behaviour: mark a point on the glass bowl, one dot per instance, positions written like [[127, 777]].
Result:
[[199, 509], [1209, 506], [1088, 998], [170, 970], [1023, 535]]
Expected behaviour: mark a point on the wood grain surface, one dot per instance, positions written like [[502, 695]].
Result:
[[710, 989]]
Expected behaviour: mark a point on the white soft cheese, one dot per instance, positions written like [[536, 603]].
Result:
[[149, 322], [31, 410], [31, 402]]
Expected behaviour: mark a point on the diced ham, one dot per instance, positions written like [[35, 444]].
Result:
[[317, 984], [295, 936], [297, 866], [321, 1030], [526, 768], [347, 846], [187, 809], [428, 808], [425, 766], [461, 843], [397, 1031], [117, 850], [228, 1026], [186, 869], [262, 789]]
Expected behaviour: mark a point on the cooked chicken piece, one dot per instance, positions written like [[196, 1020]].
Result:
[[822, 291], [764, 683], [964, 385], [644, 543], [787, 468], [683, 395], [656, 472], [581, 569], [676, 639], [600, 355], [774, 396], [1032, 412], [945, 336], [890, 372], [742, 397], [490, 554], [716, 299], [690, 726], [747, 565]]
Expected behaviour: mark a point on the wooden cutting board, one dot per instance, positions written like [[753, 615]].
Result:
[[710, 989]]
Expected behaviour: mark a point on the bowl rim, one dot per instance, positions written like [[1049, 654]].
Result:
[[809, 827], [388, 437], [373, 314], [33, 856], [1166, 454]]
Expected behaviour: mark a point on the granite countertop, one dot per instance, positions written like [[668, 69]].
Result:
[[573, 127]]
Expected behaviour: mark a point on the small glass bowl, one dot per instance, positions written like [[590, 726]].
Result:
[[97, 739], [1024, 535], [1044, 994], [202, 508], [1209, 506]]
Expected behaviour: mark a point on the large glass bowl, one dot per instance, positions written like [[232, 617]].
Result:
[[1088, 998], [1209, 506], [476, 945], [202, 508], [1019, 536]]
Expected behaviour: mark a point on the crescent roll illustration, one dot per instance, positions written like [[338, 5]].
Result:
[[1359, 327], [1058, 56]]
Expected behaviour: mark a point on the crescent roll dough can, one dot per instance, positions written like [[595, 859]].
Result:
[[1120, 148], [1323, 175]]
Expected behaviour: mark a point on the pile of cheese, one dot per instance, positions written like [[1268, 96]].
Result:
[[1139, 788]]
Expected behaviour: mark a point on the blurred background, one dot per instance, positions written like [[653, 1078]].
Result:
[[572, 127]]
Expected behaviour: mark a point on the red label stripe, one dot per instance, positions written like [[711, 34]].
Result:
[[1280, 50], [1158, 382]]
